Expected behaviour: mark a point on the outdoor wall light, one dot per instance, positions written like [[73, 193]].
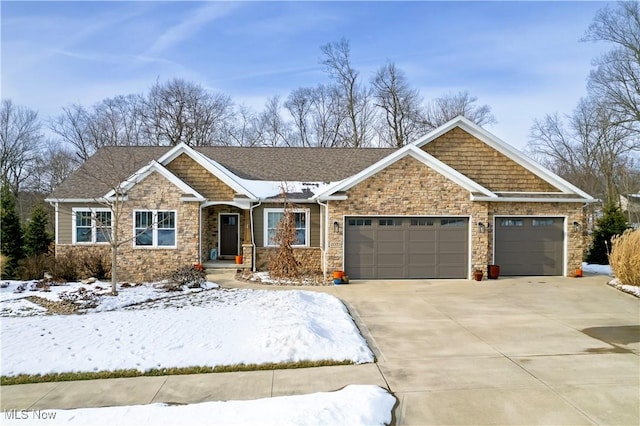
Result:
[[482, 227], [576, 226], [336, 227]]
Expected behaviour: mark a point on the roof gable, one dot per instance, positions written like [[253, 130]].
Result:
[[409, 150], [213, 167], [505, 149], [155, 167]]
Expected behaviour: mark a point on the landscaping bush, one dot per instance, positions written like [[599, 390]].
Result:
[[34, 266], [67, 267], [612, 223], [192, 276], [96, 264], [625, 257]]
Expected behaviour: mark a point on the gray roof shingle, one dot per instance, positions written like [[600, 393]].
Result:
[[111, 165]]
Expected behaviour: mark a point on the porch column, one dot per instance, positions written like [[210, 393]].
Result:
[[247, 228]]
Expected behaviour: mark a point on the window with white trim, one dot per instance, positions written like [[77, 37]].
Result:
[[272, 218], [154, 228], [91, 226]]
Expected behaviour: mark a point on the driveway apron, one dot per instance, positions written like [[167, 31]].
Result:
[[530, 350]]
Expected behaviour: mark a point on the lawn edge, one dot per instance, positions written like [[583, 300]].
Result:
[[172, 371]]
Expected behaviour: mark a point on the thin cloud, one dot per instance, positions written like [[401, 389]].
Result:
[[194, 22]]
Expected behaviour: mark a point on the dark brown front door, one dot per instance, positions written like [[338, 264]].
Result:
[[228, 234]]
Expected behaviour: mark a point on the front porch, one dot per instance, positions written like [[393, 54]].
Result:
[[224, 230]]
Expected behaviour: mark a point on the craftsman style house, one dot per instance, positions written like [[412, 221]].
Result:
[[443, 206]]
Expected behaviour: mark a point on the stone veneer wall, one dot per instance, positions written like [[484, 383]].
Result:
[[483, 164], [310, 258], [149, 264], [408, 187]]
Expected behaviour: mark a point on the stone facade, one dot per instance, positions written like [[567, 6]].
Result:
[[407, 187], [483, 164]]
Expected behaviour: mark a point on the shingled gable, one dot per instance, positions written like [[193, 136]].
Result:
[[574, 193], [213, 167], [189, 194], [332, 192]]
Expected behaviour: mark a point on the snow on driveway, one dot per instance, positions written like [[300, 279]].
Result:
[[209, 328]]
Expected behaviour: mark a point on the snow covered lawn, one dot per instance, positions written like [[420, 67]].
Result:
[[207, 328], [353, 405]]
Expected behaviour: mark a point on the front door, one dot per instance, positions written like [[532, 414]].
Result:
[[229, 234]]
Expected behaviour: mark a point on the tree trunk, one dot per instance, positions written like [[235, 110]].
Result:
[[114, 255]]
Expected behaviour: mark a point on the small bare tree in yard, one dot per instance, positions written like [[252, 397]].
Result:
[[283, 263]]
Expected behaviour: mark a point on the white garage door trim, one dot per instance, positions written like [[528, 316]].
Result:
[[565, 242], [467, 217]]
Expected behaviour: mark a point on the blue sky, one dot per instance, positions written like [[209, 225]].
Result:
[[524, 59]]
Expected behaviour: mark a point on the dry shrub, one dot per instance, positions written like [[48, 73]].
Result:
[[3, 262], [34, 267], [283, 263], [625, 257], [67, 267], [190, 276], [96, 263]]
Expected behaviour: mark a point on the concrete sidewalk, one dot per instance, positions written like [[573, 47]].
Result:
[[185, 389]]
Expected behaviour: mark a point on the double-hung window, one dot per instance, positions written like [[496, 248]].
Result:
[[273, 217], [91, 226], [154, 228]]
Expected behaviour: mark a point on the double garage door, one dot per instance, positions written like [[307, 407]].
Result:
[[406, 247], [529, 245], [438, 247]]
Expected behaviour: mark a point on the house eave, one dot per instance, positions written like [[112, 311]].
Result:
[[74, 200], [532, 199]]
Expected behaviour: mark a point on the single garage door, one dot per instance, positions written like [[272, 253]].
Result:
[[406, 247], [529, 245]]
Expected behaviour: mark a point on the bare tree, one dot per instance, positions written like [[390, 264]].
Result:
[[241, 129], [20, 143], [181, 111], [273, 130], [52, 165], [118, 121], [616, 77], [299, 104], [73, 126], [111, 122], [400, 105], [447, 107], [356, 99], [591, 151]]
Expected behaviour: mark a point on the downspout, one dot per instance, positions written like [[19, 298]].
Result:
[[325, 230], [253, 239], [200, 233], [55, 229]]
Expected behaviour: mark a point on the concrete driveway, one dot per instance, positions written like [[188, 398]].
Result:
[[540, 350]]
